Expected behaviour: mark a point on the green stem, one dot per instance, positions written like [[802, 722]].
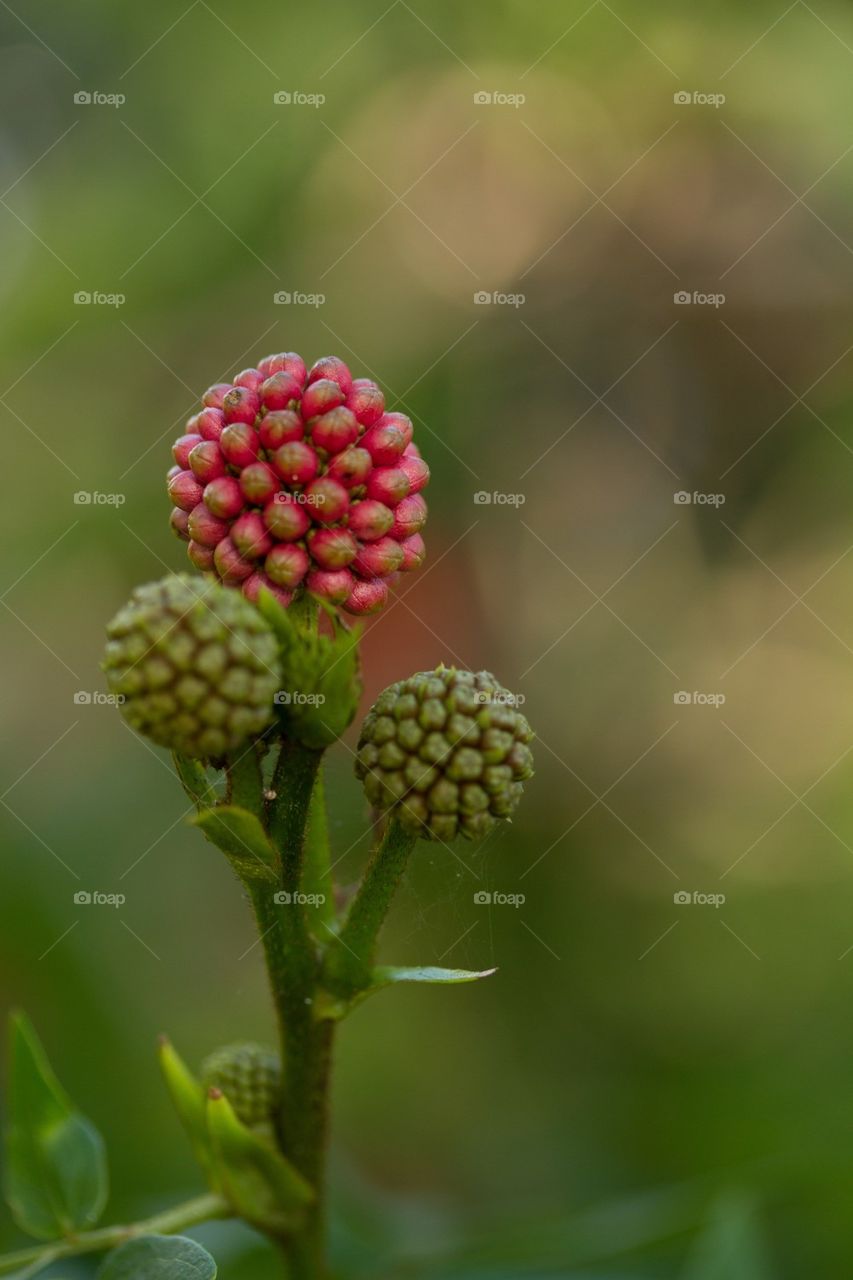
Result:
[[293, 964], [170, 1222], [350, 960], [317, 875], [245, 780]]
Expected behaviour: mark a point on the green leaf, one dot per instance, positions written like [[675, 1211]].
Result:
[[241, 837], [189, 1100], [56, 1171], [385, 975], [321, 679], [194, 780], [158, 1258], [263, 1187]]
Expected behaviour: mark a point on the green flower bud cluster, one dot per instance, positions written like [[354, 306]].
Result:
[[250, 1077], [195, 665], [447, 751]]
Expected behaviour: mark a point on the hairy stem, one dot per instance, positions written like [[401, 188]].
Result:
[[170, 1222], [350, 962]]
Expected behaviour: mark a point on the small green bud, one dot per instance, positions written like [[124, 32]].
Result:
[[250, 1077], [195, 665], [447, 751]]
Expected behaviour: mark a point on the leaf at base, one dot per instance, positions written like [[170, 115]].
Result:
[[56, 1170], [158, 1258], [241, 837]]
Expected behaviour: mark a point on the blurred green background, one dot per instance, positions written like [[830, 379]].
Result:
[[647, 1088]]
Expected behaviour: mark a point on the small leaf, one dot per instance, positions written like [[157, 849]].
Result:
[[158, 1258], [194, 780], [56, 1170], [263, 1187], [188, 1098], [385, 975], [241, 837]]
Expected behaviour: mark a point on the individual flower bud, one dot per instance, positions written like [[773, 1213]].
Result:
[[351, 468], [287, 564], [250, 1077], [366, 401], [195, 664], [409, 517], [386, 441], [204, 527], [446, 752], [223, 497], [416, 470], [332, 585], [183, 447], [279, 391], [320, 397], [259, 582], [414, 553], [251, 378], [184, 490], [206, 461], [378, 559], [258, 482], [201, 556], [180, 522], [296, 463], [210, 423], [280, 427], [333, 369], [230, 565], [251, 536], [335, 430], [327, 500], [214, 396], [370, 520], [332, 548], [240, 444], [241, 405], [389, 485], [367, 597], [286, 519], [289, 361]]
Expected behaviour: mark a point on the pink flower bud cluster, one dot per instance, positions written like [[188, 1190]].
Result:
[[297, 480]]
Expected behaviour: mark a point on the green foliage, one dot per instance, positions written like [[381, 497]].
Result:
[[321, 678], [158, 1258], [55, 1170], [241, 837]]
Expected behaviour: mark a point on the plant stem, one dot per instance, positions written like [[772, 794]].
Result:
[[245, 782], [170, 1222], [350, 960], [292, 962]]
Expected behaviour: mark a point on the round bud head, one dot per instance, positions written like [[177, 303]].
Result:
[[283, 457], [333, 369], [250, 1077], [447, 752], [195, 664]]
